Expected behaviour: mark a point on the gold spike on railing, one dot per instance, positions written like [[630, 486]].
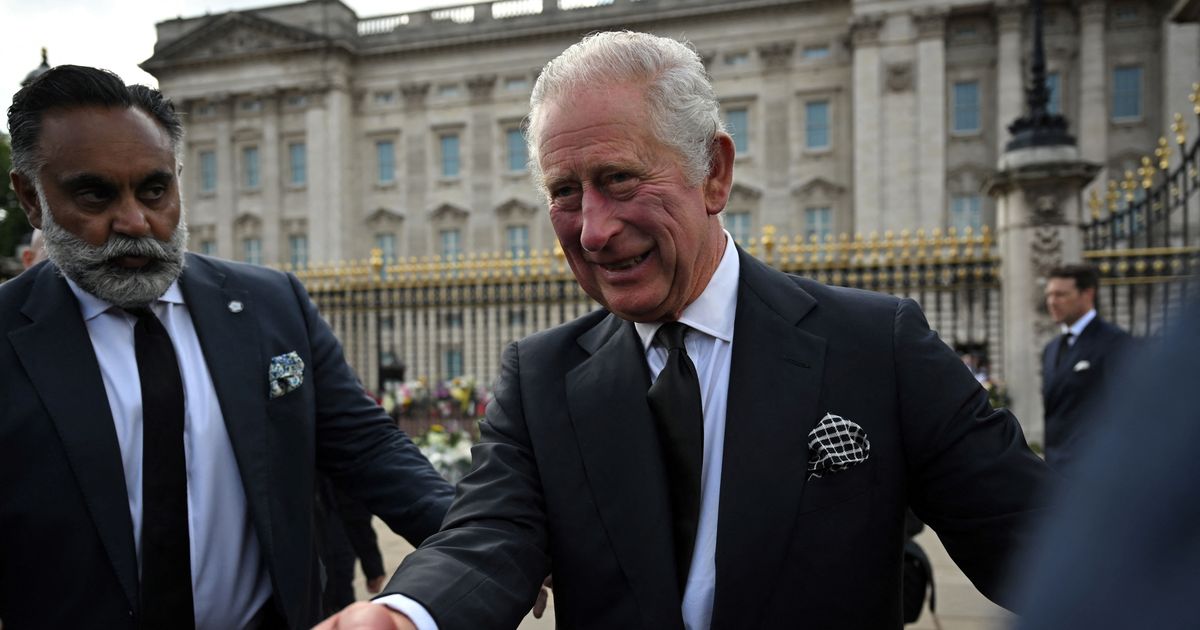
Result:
[[1163, 153], [1146, 172], [1129, 184], [1179, 128], [1194, 97], [1094, 204]]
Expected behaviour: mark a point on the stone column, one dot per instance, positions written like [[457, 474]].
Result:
[[272, 180], [931, 117], [320, 248], [481, 168], [777, 111], [341, 210], [868, 159], [1040, 209], [1093, 86], [1010, 80], [416, 158], [1180, 52], [227, 182]]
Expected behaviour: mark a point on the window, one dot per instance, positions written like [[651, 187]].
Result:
[[250, 167], [385, 98], [385, 161], [1126, 13], [1127, 92], [1054, 88], [205, 110], [386, 243], [298, 161], [208, 247], [966, 106], [450, 163], [816, 125], [740, 58], [818, 222], [252, 106], [518, 156], [208, 171], [447, 90], [966, 211], [451, 244], [518, 241], [737, 122], [516, 84], [816, 52], [297, 101], [454, 362], [252, 251], [298, 250], [738, 225]]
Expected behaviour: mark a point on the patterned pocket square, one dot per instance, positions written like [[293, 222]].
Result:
[[835, 445], [286, 374]]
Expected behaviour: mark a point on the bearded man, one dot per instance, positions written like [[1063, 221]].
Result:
[[162, 414]]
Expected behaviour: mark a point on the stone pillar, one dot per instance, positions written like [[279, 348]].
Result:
[[777, 97], [868, 159], [1040, 210], [227, 182], [1181, 69], [272, 180], [1093, 86], [340, 210], [931, 117], [1010, 80], [416, 158], [319, 163], [481, 168]]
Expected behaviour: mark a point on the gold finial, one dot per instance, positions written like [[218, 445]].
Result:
[[1147, 172], [768, 237], [1163, 153], [1094, 204], [558, 251], [376, 259], [1194, 97], [1128, 185], [1112, 195], [1179, 128]]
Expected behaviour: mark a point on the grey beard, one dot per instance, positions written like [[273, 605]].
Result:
[[95, 270]]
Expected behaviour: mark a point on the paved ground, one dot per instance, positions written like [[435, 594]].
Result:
[[960, 606]]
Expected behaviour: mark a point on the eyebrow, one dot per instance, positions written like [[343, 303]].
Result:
[[91, 180]]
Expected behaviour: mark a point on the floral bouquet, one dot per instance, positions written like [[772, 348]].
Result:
[[448, 451]]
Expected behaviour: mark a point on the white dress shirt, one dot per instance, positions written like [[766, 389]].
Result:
[[710, 346], [229, 580], [1076, 329]]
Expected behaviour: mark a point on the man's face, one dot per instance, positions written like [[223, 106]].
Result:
[[107, 200], [640, 239], [1065, 302]]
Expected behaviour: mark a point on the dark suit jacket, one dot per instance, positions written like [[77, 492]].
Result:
[[568, 475], [1069, 394], [67, 554]]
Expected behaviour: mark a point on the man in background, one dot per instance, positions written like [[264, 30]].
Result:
[[1078, 366], [34, 252]]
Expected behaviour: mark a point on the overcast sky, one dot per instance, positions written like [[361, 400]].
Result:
[[116, 34]]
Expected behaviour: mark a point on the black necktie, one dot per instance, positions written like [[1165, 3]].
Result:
[[1064, 345], [675, 400], [166, 567]]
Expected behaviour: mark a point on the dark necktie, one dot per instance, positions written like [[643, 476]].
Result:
[[675, 400], [166, 567], [1064, 345]]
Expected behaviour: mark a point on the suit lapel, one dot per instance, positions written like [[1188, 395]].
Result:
[[619, 447], [229, 339], [774, 390], [57, 354]]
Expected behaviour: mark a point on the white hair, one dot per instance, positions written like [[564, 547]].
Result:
[[683, 108]]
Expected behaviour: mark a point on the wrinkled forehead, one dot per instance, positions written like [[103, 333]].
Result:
[[101, 139]]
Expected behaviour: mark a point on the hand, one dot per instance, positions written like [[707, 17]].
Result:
[[367, 616], [539, 605], [375, 584]]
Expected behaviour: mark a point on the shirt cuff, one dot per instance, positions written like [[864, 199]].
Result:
[[407, 606]]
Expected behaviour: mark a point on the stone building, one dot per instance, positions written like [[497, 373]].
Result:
[[314, 134]]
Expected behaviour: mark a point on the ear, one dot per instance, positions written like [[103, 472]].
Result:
[[27, 195], [719, 181]]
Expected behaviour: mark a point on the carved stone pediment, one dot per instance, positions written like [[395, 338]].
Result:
[[516, 208], [818, 187], [233, 34], [449, 213], [384, 216], [246, 220], [741, 194]]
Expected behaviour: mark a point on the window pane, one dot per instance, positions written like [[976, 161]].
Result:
[[385, 158], [1054, 87], [818, 222], [738, 224], [299, 251], [1127, 92], [966, 106], [252, 251], [208, 248], [737, 122], [517, 155], [208, 171], [450, 244], [250, 166], [966, 211], [816, 52], [386, 242], [454, 363], [299, 163], [450, 165], [816, 125], [518, 241]]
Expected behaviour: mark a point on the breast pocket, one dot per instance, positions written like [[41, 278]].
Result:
[[834, 488]]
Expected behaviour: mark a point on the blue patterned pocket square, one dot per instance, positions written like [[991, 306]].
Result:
[[287, 373]]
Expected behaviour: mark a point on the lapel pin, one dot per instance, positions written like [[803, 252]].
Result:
[[235, 306]]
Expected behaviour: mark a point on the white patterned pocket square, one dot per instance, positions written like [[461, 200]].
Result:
[[1082, 365], [835, 445], [286, 374]]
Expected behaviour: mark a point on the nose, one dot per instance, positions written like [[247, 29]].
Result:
[[130, 218], [600, 222]]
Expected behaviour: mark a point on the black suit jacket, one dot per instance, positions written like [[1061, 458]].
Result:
[[1071, 387], [568, 476], [67, 554]]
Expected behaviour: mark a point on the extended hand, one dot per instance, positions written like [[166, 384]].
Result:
[[539, 606], [367, 616]]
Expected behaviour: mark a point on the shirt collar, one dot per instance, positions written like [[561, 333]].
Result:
[[1076, 329], [713, 312], [92, 306]]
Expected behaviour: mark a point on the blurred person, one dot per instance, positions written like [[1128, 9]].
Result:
[[722, 445], [34, 252], [1079, 365], [345, 535], [164, 413]]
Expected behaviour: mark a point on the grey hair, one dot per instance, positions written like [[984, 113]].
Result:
[[683, 107]]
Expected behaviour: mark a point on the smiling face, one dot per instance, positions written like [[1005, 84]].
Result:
[[640, 239], [108, 201]]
